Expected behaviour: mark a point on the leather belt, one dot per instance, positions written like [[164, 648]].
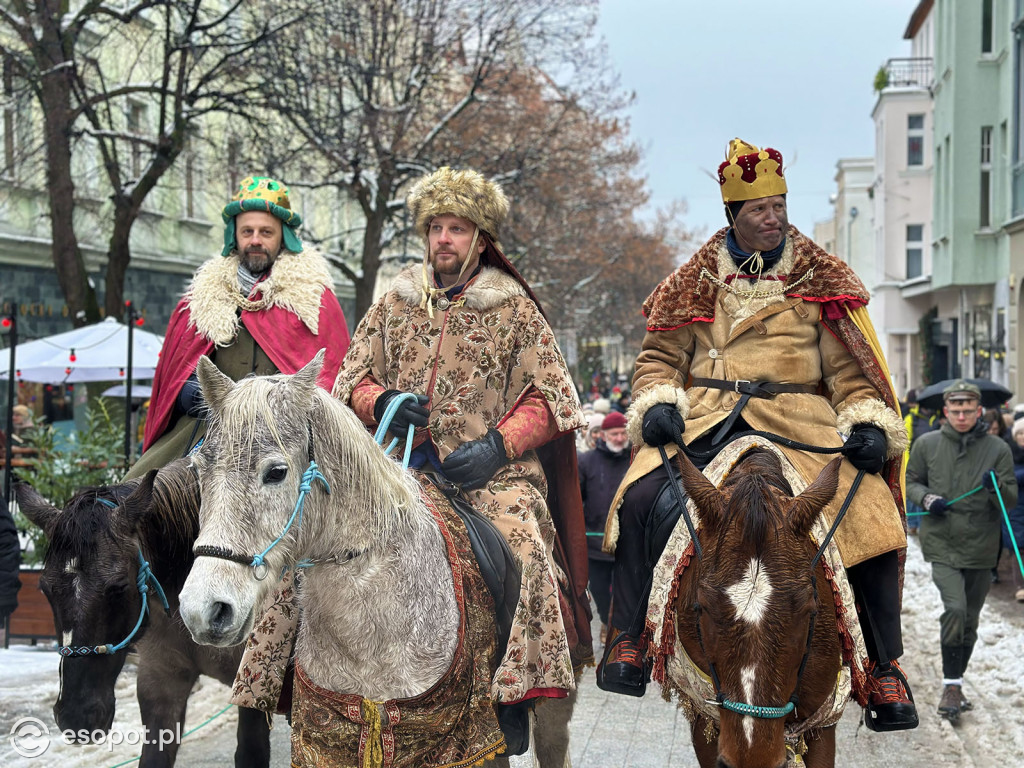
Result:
[[748, 389], [764, 389]]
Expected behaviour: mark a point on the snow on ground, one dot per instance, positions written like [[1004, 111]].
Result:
[[990, 735], [29, 684]]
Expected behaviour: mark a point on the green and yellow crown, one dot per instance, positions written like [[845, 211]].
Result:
[[261, 193]]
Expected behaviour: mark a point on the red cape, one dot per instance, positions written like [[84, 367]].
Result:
[[280, 333]]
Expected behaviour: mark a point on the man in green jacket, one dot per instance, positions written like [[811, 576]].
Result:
[[960, 537]]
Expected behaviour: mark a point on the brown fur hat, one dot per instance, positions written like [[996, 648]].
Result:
[[461, 193]]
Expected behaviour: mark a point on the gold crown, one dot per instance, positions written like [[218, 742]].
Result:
[[750, 173]]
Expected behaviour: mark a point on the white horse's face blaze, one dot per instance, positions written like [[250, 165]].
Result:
[[249, 468]]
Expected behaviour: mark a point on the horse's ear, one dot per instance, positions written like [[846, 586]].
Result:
[[139, 501], [808, 505], [215, 385], [709, 500], [305, 378], [36, 508]]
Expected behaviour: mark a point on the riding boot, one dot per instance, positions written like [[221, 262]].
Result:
[[647, 518], [514, 720], [875, 583]]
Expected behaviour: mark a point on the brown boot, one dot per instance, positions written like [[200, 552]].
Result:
[[949, 704]]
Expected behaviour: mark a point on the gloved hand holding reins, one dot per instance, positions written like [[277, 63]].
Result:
[[409, 414]]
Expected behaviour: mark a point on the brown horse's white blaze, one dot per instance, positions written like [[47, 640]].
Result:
[[755, 604]]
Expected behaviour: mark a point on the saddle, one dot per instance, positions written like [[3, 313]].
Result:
[[494, 557]]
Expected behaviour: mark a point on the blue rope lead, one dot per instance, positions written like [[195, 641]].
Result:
[[1006, 517], [385, 424]]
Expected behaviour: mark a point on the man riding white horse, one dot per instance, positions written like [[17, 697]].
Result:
[[763, 330], [264, 305], [464, 334]]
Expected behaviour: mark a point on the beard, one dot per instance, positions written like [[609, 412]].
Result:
[[451, 265], [257, 259]]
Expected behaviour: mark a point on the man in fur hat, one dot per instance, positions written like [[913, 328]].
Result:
[[763, 330], [265, 305], [464, 333]]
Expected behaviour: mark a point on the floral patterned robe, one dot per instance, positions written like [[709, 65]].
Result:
[[479, 358]]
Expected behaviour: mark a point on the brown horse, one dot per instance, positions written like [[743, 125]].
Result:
[[755, 613]]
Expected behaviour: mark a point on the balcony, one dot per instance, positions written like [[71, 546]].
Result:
[[906, 73]]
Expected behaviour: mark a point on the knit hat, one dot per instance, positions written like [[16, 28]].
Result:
[[750, 173], [614, 420], [260, 193], [595, 421], [602, 405]]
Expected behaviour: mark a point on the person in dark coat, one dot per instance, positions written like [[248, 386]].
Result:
[[601, 470], [10, 561]]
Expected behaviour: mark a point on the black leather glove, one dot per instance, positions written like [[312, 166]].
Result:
[[663, 424], [190, 398], [472, 464], [409, 413], [988, 481], [935, 504], [866, 448]]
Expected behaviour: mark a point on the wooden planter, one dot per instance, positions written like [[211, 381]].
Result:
[[32, 619]]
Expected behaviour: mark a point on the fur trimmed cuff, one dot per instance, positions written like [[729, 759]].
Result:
[[642, 402], [878, 414]]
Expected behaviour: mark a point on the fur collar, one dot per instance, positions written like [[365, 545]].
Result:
[[296, 283], [490, 289], [688, 295]]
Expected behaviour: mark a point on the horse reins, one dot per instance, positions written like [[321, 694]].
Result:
[[257, 561], [720, 700], [142, 579]]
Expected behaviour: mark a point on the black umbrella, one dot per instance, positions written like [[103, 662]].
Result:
[[992, 395]]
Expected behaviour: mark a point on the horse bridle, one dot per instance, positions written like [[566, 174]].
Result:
[[720, 700], [257, 561], [144, 576]]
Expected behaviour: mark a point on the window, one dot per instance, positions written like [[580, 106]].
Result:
[[985, 193], [915, 140], [915, 250], [136, 129], [9, 113], [234, 157], [194, 198], [986, 26]]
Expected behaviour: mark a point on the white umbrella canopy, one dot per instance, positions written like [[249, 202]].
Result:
[[139, 391], [100, 352]]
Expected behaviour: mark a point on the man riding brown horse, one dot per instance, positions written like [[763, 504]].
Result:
[[763, 330]]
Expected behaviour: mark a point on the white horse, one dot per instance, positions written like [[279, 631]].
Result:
[[380, 614]]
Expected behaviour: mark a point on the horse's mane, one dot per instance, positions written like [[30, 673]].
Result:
[[751, 480], [358, 470], [87, 515]]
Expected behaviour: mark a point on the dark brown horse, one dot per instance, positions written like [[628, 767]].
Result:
[[756, 617], [91, 578]]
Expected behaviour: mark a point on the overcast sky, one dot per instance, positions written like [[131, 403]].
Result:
[[795, 75]]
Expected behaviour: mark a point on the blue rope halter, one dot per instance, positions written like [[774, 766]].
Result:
[[257, 561], [145, 575]]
